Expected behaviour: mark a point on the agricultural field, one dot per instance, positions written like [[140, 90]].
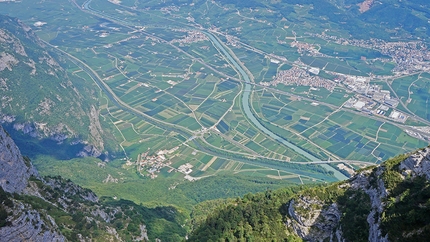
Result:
[[205, 90], [342, 134]]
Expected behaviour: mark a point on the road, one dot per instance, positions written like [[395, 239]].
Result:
[[198, 142], [246, 102], [245, 78]]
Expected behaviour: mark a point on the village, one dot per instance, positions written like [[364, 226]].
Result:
[[409, 57], [192, 37], [151, 165]]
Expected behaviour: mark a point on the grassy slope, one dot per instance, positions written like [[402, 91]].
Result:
[[152, 192]]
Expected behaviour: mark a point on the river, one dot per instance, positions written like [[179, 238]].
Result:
[[246, 99]]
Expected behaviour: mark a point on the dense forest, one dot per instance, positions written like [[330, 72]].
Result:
[[255, 217]]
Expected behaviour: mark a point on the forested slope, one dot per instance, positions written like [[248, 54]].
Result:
[[390, 202]]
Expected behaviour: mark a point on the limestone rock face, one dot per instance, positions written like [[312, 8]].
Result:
[[14, 169], [69, 189], [25, 223], [311, 220], [417, 164], [28, 225]]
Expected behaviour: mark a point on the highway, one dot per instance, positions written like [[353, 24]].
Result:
[[246, 100], [245, 78], [259, 161]]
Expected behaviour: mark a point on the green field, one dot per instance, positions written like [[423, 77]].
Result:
[[165, 86]]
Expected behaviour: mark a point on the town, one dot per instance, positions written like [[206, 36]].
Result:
[[300, 77]]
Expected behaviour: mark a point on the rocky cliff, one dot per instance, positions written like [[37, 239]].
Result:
[[23, 222], [13, 165], [396, 204], [29, 225]]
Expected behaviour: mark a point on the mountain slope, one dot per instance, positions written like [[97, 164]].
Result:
[[33, 208], [390, 202], [37, 94]]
